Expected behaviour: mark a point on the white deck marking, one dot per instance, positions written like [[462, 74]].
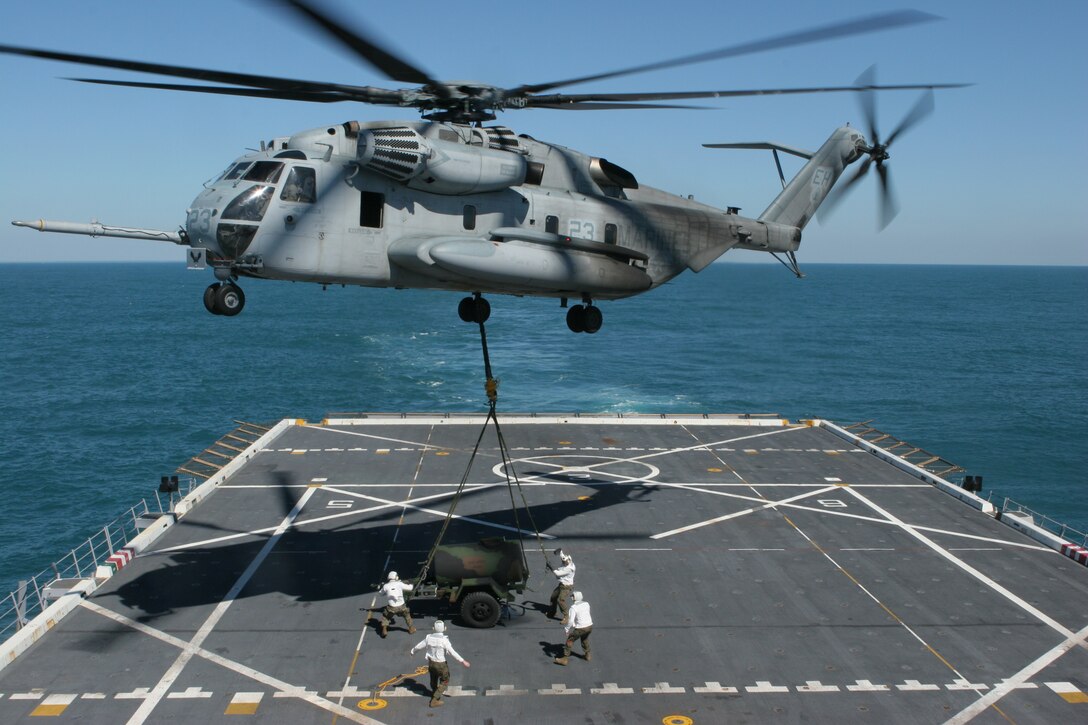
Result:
[[913, 531], [425, 446], [280, 686], [560, 689], [817, 686], [611, 688], [504, 690], [171, 675], [764, 686], [441, 514], [1012, 683], [189, 693], [714, 688], [663, 688], [317, 519], [745, 512]]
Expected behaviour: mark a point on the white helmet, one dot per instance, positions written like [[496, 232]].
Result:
[[440, 626], [393, 576], [577, 597], [563, 555]]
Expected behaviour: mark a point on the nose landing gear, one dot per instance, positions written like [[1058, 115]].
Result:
[[225, 299]]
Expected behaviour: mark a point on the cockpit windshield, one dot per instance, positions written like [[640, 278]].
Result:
[[235, 171], [250, 205], [266, 172]]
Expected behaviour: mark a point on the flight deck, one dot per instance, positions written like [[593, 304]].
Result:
[[739, 569]]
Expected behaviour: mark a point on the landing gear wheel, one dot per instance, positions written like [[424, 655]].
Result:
[[209, 298], [576, 318], [592, 318], [480, 610], [229, 299], [474, 309]]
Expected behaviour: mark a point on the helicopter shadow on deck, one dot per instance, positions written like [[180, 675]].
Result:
[[341, 562]]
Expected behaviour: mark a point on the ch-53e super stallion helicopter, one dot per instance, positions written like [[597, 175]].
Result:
[[448, 203]]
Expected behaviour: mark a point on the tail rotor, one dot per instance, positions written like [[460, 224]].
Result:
[[876, 153]]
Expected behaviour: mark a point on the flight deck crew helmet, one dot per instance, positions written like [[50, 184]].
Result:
[[393, 576], [440, 626], [577, 597], [562, 555]]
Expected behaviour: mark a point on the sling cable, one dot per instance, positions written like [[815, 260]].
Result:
[[491, 386]]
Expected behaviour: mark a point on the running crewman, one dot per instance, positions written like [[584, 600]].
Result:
[[438, 644], [579, 627]]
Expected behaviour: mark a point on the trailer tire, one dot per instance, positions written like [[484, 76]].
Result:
[[480, 610]]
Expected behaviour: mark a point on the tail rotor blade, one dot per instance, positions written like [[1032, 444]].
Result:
[[889, 207], [837, 194], [921, 109], [867, 101]]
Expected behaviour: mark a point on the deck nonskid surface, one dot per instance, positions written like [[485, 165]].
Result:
[[733, 571]]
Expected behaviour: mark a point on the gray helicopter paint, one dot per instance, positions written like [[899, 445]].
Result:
[[324, 241]]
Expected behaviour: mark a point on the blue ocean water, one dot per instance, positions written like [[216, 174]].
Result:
[[113, 374]]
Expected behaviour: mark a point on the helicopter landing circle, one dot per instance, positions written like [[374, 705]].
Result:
[[579, 469]]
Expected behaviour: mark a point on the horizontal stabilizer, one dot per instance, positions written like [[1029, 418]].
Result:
[[766, 145]]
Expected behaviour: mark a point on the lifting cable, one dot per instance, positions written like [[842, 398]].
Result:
[[491, 386]]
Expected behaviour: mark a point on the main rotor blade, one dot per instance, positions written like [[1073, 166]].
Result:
[[593, 106], [391, 65], [680, 95], [858, 26], [921, 109], [379, 96], [197, 74]]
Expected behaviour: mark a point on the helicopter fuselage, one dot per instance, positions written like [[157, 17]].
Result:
[[435, 205]]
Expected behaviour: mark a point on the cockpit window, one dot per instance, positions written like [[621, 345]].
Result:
[[250, 205], [301, 185], [266, 172], [236, 171]]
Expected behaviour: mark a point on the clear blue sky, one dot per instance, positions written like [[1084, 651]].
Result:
[[994, 176]]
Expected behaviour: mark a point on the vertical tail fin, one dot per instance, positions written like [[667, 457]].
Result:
[[798, 202]]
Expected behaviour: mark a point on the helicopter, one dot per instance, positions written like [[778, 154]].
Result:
[[448, 202]]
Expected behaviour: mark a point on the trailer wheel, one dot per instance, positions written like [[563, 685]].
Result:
[[480, 610]]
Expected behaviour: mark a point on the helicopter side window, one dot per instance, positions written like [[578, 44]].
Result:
[[551, 224], [468, 219], [236, 171], [267, 172], [610, 233], [370, 210], [301, 185]]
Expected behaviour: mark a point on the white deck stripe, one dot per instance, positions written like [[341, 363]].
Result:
[[1027, 607], [280, 686], [319, 519], [441, 514], [745, 512], [171, 675], [1017, 680]]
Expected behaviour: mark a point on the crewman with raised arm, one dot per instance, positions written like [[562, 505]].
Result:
[[579, 627], [394, 590], [561, 594], [438, 645]]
